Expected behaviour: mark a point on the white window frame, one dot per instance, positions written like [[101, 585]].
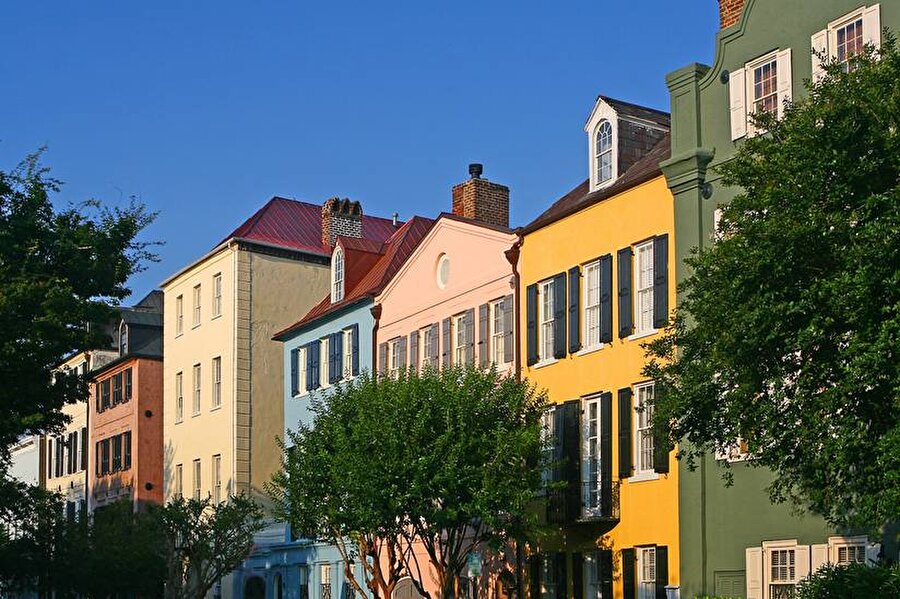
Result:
[[347, 360], [742, 96], [427, 338], [179, 315], [546, 321], [601, 153], [593, 585], [326, 582], [198, 471], [337, 275], [197, 295], [323, 362], [217, 478], [460, 341], [217, 295], [824, 44], [643, 289], [591, 306], [782, 574], [848, 545], [216, 382], [548, 426], [646, 572], [497, 335], [179, 397], [752, 99], [301, 370], [196, 389], [179, 480], [393, 357], [643, 432], [590, 457]]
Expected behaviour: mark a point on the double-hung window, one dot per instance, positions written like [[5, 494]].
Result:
[[217, 382], [394, 357], [323, 362], [548, 579], [603, 152], [782, 573], [179, 480], [117, 389], [460, 341], [348, 353], [592, 305], [196, 305], [643, 298], [429, 347], [217, 478], [196, 387], [643, 425], [217, 295], [337, 276], [845, 38], [325, 574], [762, 85], [179, 315], [590, 462], [197, 473], [301, 370], [546, 320], [646, 571], [179, 397], [498, 333]]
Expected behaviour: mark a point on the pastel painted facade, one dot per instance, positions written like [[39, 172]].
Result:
[[731, 535], [593, 287]]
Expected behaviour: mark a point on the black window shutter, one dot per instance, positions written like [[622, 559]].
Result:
[[508, 339], [606, 572], [484, 345], [662, 571], [626, 322], [629, 587], [660, 281], [606, 506], [435, 350], [559, 315], [295, 371], [447, 349], [402, 342], [572, 457], [97, 397], [127, 442], [559, 564], [626, 461], [49, 458], [382, 357], [336, 347], [574, 312], [661, 445], [557, 498], [97, 458], [531, 318], [469, 323], [577, 575], [534, 568], [128, 384], [606, 334], [84, 448], [354, 336], [313, 351], [414, 349]]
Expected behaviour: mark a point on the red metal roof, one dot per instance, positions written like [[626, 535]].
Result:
[[365, 276], [298, 226]]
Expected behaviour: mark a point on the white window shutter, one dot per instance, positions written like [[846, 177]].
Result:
[[819, 45], [738, 103], [785, 80], [754, 566], [801, 559], [872, 26], [872, 551], [818, 556]]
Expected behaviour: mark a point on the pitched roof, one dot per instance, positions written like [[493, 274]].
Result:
[[579, 198], [298, 226], [364, 276], [636, 111]]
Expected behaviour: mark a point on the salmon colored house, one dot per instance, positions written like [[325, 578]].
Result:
[[126, 418]]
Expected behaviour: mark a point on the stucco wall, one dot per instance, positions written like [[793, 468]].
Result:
[[26, 460]]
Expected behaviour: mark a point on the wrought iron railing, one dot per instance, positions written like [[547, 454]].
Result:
[[781, 591], [584, 501]]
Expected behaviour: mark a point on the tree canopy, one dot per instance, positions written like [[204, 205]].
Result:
[[789, 324]]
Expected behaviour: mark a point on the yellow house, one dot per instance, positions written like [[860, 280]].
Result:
[[594, 285]]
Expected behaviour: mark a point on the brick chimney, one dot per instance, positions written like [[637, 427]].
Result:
[[730, 12], [340, 217], [481, 200]]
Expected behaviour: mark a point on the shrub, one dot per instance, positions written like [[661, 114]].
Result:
[[853, 581]]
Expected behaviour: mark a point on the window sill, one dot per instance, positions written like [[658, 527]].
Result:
[[644, 477], [216, 408], [589, 350], [179, 420], [195, 326], [195, 414], [641, 335], [181, 334], [544, 363], [215, 317]]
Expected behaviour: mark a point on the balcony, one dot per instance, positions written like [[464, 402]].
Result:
[[584, 502]]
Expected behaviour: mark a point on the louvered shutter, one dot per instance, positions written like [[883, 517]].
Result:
[[435, 351], [606, 572], [557, 504], [313, 357], [801, 560], [336, 347], [784, 80], [295, 371], [531, 323], [660, 281], [606, 505], [629, 587], [754, 570], [872, 26], [508, 339], [402, 342], [559, 315], [84, 448], [446, 348], [572, 459], [382, 358], [818, 556], [662, 571], [819, 49], [484, 344], [354, 337], [574, 312], [414, 350], [577, 575], [661, 445], [469, 323], [97, 397], [559, 566], [737, 99], [626, 322], [606, 334], [626, 460], [49, 458]]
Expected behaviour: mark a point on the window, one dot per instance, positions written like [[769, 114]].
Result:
[[217, 295], [643, 425], [179, 315], [217, 382], [104, 456], [394, 357], [126, 450], [116, 453], [127, 385], [549, 438], [196, 387], [590, 463], [179, 480], [196, 305], [443, 271], [104, 387], [782, 573], [548, 578], [179, 397], [643, 299], [763, 85], [301, 370], [348, 353], [429, 351], [123, 339], [603, 151], [117, 389], [196, 479], [461, 343], [849, 41], [217, 478], [323, 362], [497, 333], [546, 320], [592, 305], [325, 572], [83, 449], [845, 38], [646, 572], [849, 554], [337, 275]]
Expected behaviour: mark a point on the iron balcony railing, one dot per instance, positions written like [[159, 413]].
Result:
[[584, 501]]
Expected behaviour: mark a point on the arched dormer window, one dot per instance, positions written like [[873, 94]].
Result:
[[123, 339], [337, 275], [603, 153]]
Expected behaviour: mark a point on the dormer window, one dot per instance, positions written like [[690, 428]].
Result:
[[337, 275], [123, 339], [603, 148]]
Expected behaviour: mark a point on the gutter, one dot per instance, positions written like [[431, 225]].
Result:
[[376, 313], [512, 256]]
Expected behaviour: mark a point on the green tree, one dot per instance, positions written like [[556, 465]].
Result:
[[204, 541], [852, 581], [449, 460], [788, 327]]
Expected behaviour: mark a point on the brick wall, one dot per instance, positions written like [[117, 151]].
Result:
[[340, 217], [482, 200], [730, 12]]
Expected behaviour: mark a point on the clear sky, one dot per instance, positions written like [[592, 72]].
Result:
[[205, 109]]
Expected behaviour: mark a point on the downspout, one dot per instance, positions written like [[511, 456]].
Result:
[[376, 314]]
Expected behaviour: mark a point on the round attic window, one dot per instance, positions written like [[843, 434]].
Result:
[[443, 270]]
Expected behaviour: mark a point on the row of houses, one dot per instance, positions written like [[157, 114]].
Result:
[[303, 297]]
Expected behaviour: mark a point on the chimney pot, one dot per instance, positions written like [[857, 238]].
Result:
[[476, 170], [481, 200]]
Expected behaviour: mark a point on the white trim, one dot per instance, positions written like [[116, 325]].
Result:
[[544, 363], [584, 351], [587, 436], [546, 293], [643, 471], [337, 284], [602, 112], [643, 252], [587, 271]]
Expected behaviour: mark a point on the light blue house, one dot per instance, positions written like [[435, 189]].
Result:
[[332, 343]]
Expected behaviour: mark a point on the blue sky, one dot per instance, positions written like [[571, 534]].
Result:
[[204, 110]]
